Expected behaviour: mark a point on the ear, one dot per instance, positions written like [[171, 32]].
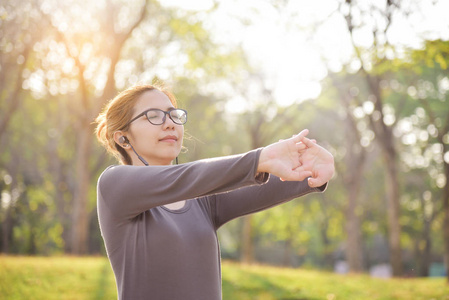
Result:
[[119, 138]]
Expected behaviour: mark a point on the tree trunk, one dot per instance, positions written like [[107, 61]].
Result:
[[446, 216], [385, 138], [442, 131], [352, 176], [13, 101], [61, 205], [384, 135], [8, 221], [286, 258], [327, 249], [424, 257], [257, 141], [247, 254], [354, 250], [394, 228], [355, 159], [324, 229], [6, 228], [80, 219]]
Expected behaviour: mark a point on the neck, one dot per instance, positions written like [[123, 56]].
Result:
[[137, 162]]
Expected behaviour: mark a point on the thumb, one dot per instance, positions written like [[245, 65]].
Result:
[[313, 182]]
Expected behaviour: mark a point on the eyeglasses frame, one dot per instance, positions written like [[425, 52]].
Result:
[[144, 113]]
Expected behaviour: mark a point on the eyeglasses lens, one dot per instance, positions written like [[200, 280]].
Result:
[[156, 116], [178, 116]]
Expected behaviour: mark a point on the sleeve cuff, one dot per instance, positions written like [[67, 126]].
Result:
[[262, 177], [322, 188]]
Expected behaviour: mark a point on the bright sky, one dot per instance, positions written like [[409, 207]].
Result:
[[277, 41]]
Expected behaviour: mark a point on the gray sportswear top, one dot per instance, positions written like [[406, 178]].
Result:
[[158, 253]]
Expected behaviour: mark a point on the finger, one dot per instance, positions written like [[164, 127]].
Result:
[[298, 138], [301, 146], [309, 143], [298, 174], [305, 138], [302, 173]]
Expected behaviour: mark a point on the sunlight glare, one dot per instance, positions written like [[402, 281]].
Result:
[[275, 37], [5, 199], [290, 64], [236, 105], [189, 5]]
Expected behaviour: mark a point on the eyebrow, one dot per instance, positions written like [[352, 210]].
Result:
[[168, 108], [142, 113]]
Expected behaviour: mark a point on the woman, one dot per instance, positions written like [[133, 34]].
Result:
[[159, 220]]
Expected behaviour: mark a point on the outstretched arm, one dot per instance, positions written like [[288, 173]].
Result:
[[297, 158]]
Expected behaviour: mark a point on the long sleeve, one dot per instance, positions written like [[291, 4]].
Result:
[[256, 198], [163, 254], [129, 190]]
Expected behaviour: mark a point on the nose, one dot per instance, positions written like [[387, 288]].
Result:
[[168, 122]]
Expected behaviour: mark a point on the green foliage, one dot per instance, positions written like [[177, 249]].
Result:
[[40, 141], [58, 92]]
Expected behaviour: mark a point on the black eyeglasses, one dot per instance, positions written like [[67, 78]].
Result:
[[157, 116]]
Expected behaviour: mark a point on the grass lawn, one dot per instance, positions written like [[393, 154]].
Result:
[[81, 278], [263, 283], [60, 278]]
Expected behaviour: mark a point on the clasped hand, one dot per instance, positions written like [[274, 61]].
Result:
[[296, 159]]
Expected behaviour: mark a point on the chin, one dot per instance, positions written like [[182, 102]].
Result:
[[171, 159]]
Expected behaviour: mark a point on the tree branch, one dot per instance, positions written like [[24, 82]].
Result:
[[13, 99]]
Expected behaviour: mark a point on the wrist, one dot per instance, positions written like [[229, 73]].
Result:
[[263, 163]]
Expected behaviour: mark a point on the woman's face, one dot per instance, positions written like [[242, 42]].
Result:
[[157, 144]]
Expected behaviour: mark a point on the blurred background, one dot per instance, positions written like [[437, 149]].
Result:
[[369, 79]]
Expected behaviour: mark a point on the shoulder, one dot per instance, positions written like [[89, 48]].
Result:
[[111, 173], [107, 171]]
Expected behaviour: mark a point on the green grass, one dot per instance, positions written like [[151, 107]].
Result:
[[62, 278], [266, 283], [91, 278]]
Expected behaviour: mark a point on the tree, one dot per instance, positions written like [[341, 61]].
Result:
[[380, 124], [255, 121], [426, 79], [18, 33], [17, 43], [352, 171], [108, 44], [97, 51], [80, 55], [263, 123]]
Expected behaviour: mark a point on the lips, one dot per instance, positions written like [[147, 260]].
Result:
[[169, 138]]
